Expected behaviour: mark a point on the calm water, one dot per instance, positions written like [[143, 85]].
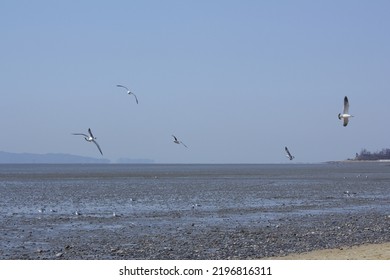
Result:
[[210, 190]]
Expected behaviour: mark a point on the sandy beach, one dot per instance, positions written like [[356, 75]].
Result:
[[361, 252]]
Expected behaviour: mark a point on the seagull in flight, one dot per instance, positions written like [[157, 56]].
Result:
[[289, 154], [90, 138], [177, 141], [345, 115], [129, 92]]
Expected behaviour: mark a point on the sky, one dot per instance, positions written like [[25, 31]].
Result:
[[236, 81]]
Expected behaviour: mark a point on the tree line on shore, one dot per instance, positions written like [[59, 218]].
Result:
[[367, 155]]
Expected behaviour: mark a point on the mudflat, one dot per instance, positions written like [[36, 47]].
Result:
[[193, 211], [184, 236]]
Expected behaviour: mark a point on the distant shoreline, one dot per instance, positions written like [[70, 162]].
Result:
[[359, 161]]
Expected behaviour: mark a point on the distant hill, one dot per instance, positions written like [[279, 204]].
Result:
[[6, 157]]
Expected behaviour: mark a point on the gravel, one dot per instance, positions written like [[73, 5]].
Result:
[[184, 235]]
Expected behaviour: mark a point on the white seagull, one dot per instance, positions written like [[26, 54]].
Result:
[[129, 92], [177, 141], [289, 154], [345, 115], [90, 138]]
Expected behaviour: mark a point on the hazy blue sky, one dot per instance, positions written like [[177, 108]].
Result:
[[236, 81]]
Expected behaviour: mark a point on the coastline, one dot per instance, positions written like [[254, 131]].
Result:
[[359, 161]]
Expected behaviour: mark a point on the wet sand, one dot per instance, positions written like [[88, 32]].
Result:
[[361, 252]]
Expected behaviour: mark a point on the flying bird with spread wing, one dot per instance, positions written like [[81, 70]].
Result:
[[176, 141], [129, 92], [288, 154], [345, 115], [90, 138]]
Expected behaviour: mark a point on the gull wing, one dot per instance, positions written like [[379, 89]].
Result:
[[346, 105], [97, 145], [345, 121], [90, 133], [136, 99], [174, 137], [184, 144], [80, 134], [288, 153], [123, 87]]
